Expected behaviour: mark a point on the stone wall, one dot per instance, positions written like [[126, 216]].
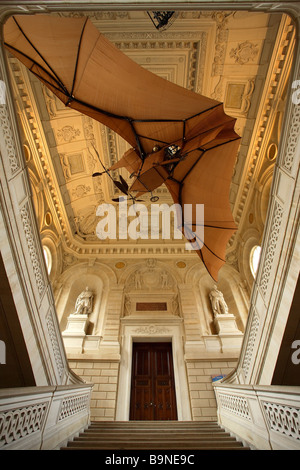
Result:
[[202, 395], [104, 376]]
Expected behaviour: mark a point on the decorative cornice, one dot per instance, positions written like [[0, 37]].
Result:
[[254, 153]]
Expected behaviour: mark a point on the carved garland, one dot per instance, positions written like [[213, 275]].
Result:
[[151, 330]]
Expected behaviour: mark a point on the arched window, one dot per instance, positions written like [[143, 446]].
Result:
[[48, 258], [254, 259]]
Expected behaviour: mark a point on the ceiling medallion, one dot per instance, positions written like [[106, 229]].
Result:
[[48, 219], [181, 264], [120, 265]]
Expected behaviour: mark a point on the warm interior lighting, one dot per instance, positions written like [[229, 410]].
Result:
[[48, 258], [254, 259]]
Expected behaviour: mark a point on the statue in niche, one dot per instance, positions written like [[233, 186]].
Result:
[[218, 303], [84, 303], [137, 280], [175, 306], [127, 309], [164, 279]]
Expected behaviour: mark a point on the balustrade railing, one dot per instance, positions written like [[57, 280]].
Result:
[[42, 417], [266, 417]]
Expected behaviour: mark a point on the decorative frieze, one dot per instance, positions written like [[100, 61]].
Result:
[[148, 278], [271, 97], [150, 330]]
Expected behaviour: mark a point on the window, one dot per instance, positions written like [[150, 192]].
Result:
[[254, 259], [48, 258]]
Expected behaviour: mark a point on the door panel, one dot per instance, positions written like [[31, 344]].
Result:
[[152, 387]]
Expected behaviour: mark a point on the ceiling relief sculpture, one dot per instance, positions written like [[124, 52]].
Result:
[[218, 54], [244, 52]]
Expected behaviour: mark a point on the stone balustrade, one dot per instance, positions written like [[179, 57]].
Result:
[[265, 417], [34, 418]]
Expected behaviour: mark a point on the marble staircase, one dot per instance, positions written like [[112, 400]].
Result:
[[154, 435]]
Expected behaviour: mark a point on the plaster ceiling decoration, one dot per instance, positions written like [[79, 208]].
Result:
[[218, 54]]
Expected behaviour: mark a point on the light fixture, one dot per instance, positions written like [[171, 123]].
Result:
[[162, 19], [254, 259]]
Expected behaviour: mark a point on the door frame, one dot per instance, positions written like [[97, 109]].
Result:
[[152, 333]]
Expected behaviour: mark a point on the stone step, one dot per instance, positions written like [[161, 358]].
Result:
[[155, 445], [137, 434], [151, 424], [157, 428], [154, 435], [182, 424]]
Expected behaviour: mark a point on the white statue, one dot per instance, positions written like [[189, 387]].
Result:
[[218, 303], [164, 279], [127, 310], [138, 280], [84, 303]]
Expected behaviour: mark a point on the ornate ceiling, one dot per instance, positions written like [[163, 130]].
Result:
[[223, 55]]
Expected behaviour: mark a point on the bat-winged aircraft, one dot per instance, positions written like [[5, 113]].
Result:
[[178, 137]]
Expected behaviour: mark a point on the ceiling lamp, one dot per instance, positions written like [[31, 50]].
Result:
[[162, 19]]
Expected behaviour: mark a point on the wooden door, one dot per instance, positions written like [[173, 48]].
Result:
[[152, 385]]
